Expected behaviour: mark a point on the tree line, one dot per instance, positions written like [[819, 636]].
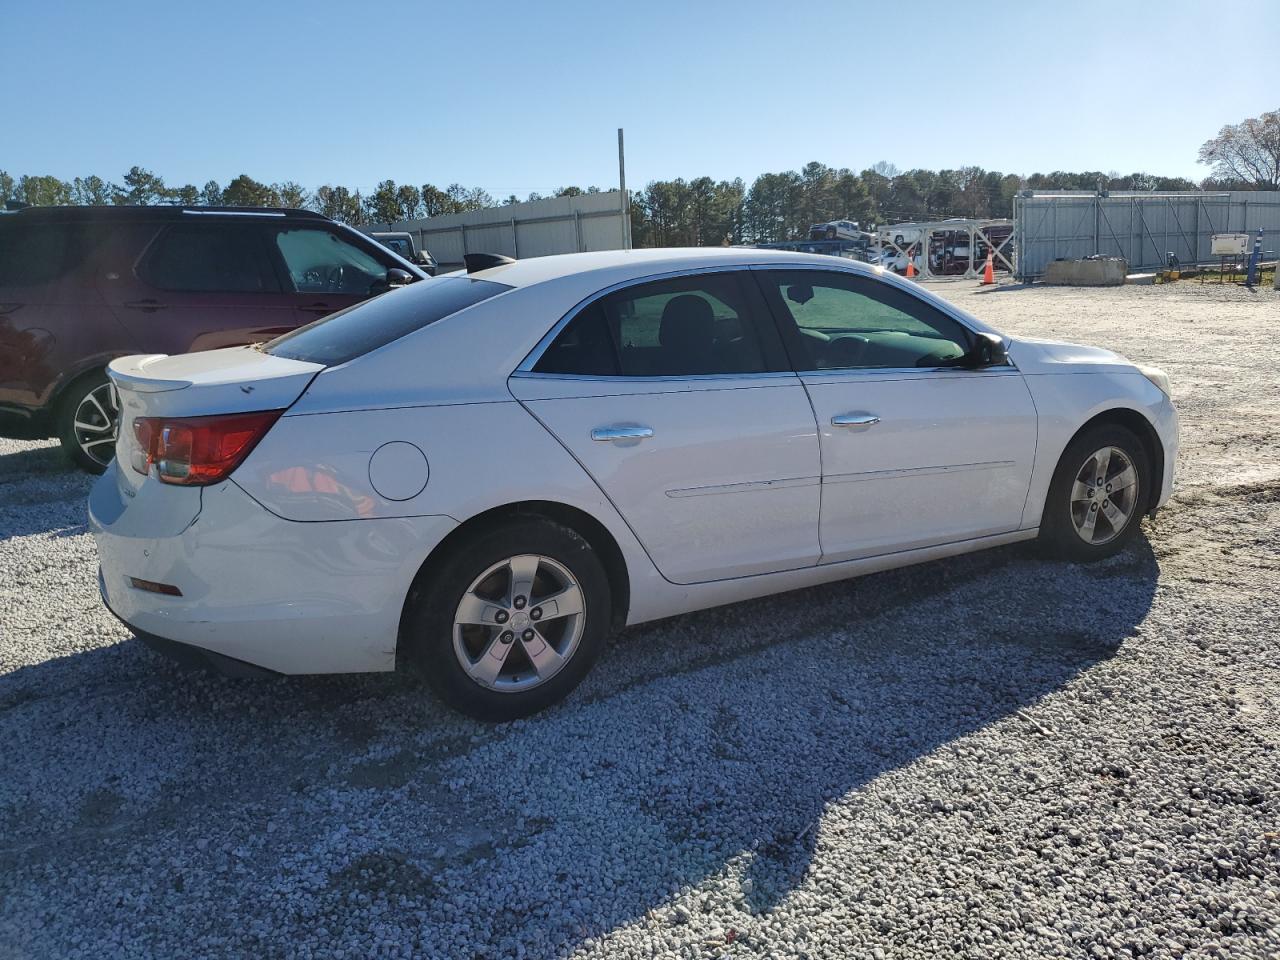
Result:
[[782, 206], [704, 211], [387, 203], [701, 211]]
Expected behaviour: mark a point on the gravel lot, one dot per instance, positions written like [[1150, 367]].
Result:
[[994, 756]]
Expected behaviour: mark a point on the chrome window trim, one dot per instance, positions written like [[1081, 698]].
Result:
[[620, 378], [231, 213], [525, 369], [1003, 369]]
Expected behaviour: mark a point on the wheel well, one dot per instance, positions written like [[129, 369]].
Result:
[[587, 526], [1140, 427], [59, 394]]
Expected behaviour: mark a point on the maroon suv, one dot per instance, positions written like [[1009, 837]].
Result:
[[80, 286]]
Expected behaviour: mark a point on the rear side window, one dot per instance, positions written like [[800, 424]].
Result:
[[355, 331], [32, 253], [209, 258], [703, 325]]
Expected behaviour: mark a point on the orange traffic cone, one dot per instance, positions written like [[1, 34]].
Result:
[[988, 272], [911, 268]]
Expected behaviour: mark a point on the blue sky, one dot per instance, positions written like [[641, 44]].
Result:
[[516, 97]]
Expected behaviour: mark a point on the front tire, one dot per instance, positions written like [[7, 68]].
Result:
[[88, 416], [1098, 495], [510, 621]]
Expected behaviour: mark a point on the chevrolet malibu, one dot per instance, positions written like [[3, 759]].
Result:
[[481, 475]]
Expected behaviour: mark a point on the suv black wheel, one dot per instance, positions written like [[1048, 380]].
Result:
[[511, 620], [1098, 494], [87, 419]]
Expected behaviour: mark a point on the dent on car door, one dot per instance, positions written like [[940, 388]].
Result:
[[673, 396], [916, 450]]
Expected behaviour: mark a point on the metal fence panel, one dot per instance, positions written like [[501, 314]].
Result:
[[1143, 228], [591, 221]]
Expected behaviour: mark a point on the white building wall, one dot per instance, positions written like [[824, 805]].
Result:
[[592, 221]]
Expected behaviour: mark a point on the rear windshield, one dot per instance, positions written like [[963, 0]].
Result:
[[353, 332]]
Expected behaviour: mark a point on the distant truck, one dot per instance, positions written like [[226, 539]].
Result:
[[401, 242], [838, 230]]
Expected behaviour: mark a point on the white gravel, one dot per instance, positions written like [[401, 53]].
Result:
[[995, 756]]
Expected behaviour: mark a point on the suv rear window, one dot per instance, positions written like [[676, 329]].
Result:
[[32, 253], [355, 331]]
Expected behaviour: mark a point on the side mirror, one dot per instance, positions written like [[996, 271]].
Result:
[[987, 351], [398, 278]]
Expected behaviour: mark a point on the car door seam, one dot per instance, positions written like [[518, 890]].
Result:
[[1035, 451], [592, 477], [822, 467]]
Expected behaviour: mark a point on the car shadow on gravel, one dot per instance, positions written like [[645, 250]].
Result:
[[711, 751], [38, 494], [35, 460]]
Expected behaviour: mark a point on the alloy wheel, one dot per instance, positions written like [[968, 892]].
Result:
[[96, 421], [1104, 496], [519, 623]]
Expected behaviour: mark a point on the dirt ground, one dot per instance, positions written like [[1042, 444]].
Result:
[[991, 756]]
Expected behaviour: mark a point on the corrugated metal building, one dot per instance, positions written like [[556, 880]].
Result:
[[591, 221], [1141, 227]]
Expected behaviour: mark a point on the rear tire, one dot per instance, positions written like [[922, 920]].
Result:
[[87, 418], [485, 628], [1085, 519]]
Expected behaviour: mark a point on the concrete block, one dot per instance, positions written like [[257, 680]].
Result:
[[1108, 272]]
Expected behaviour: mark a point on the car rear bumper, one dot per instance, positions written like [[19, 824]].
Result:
[[186, 655], [257, 590]]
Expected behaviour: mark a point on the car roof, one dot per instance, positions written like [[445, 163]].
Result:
[[159, 212], [624, 265]]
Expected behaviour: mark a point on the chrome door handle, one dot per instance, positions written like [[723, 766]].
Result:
[[855, 421], [621, 432], [146, 306]]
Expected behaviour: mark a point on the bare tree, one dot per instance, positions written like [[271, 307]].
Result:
[[1248, 151]]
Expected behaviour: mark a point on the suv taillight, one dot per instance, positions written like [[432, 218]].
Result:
[[197, 451]]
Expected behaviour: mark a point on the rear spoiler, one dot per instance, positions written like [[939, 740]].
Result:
[[129, 373]]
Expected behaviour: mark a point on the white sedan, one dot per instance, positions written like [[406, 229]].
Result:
[[483, 474]]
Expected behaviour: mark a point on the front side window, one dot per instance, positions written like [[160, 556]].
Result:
[[355, 331], [319, 261], [686, 326], [845, 321], [209, 258]]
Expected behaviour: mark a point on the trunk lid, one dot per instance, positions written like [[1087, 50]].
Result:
[[232, 380]]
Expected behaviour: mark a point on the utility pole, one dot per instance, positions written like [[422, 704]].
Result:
[[626, 200]]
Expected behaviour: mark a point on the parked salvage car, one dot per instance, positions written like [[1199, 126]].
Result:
[[483, 474], [80, 286]]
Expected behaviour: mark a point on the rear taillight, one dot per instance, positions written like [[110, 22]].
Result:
[[197, 451]]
